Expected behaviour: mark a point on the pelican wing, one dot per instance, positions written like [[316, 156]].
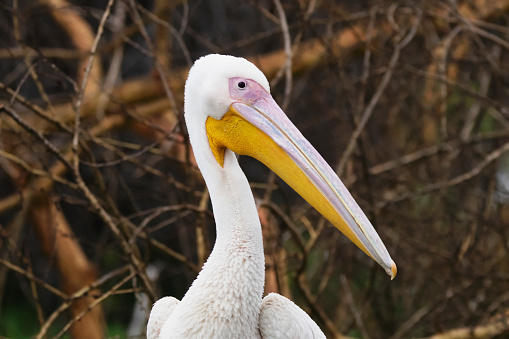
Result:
[[280, 318], [161, 311]]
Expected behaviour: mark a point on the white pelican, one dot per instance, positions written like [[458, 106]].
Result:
[[229, 109]]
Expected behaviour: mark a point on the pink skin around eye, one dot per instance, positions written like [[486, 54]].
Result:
[[250, 94]]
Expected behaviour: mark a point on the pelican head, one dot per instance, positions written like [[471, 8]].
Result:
[[236, 113]]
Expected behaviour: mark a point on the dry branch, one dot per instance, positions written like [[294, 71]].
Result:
[[491, 330], [76, 271], [402, 41], [82, 37], [490, 158], [30, 276]]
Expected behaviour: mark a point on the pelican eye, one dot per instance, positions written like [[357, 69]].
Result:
[[241, 85]]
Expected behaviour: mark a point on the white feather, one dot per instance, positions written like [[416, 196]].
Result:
[[280, 318], [161, 310]]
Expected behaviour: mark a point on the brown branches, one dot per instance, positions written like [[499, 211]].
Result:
[[82, 38], [493, 329], [97, 174], [402, 41], [73, 265], [495, 155]]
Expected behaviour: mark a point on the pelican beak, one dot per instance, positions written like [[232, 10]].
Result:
[[257, 127]]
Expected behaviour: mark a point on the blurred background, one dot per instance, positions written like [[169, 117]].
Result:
[[103, 211]]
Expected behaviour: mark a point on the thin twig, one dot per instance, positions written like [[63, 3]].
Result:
[[76, 295], [81, 93], [30, 276], [491, 157], [368, 111], [288, 52], [159, 67], [355, 312], [434, 150], [38, 135], [96, 302]]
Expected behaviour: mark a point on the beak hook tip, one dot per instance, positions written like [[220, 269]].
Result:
[[394, 270]]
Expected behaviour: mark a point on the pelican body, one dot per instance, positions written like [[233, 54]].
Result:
[[229, 109]]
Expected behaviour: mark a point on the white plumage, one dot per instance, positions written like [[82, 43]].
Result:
[[225, 300], [280, 318]]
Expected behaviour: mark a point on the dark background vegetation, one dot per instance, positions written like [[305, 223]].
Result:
[[102, 215]]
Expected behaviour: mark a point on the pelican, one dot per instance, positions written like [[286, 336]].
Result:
[[229, 110]]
